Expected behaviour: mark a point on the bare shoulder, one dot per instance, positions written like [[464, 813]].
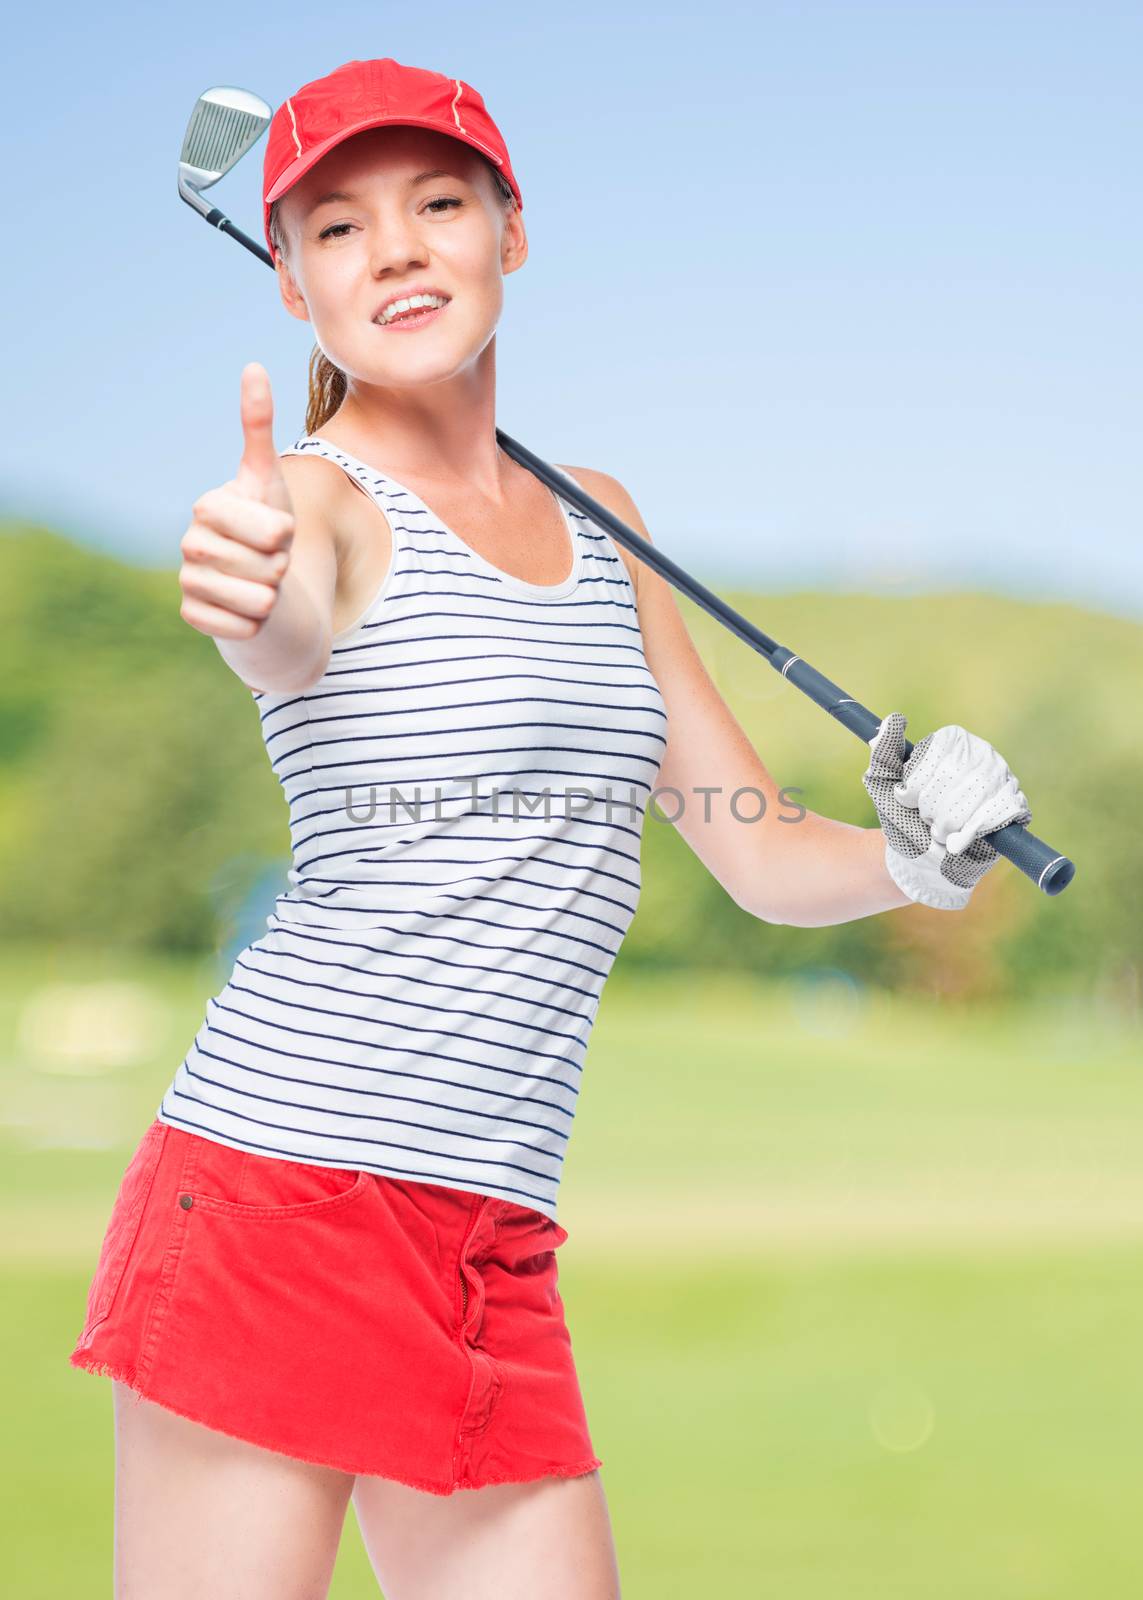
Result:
[[325, 497], [316, 484], [611, 493], [670, 650]]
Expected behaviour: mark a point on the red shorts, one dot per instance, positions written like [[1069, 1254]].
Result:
[[362, 1322]]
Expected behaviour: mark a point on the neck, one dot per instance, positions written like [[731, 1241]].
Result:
[[443, 434]]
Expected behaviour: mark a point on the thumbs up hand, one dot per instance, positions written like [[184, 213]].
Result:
[[236, 550]]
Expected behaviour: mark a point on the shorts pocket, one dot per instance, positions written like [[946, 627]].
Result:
[[123, 1226], [265, 1187]]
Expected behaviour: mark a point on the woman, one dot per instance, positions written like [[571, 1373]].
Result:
[[330, 1271]]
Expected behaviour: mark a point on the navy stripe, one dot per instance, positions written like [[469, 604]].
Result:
[[638, 665], [439, 960], [459, 861], [447, 917], [420, 686], [461, 705], [388, 1094], [371, 1116], [434, 1009], [488, 640], [614, 731], [575, 819], [404, 1049], [428, 983], [476, 838], [502, 772]]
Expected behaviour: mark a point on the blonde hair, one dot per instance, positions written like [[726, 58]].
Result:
[[327, 382]]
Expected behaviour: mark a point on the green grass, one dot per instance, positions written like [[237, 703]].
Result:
[[855, 1284]]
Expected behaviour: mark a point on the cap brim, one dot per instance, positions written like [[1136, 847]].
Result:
[[298, 169]]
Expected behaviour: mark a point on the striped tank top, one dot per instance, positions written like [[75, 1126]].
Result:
[[467, 786]]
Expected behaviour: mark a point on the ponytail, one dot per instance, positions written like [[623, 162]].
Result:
[[327, 382]]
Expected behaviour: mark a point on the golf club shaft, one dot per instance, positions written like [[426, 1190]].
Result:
[[222, 222], [1047, 868], [1051, 871]]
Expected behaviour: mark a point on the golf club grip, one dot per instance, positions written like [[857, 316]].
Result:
[[1047, 868]]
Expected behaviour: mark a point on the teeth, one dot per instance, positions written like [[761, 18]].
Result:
[[413, 303]]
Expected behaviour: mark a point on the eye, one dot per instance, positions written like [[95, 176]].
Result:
[[336, 230]]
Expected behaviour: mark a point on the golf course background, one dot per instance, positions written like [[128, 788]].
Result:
[[855, 1266]]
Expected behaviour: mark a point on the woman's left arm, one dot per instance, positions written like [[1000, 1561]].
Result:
[[793, 865]]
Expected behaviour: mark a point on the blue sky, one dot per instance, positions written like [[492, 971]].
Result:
[[847, 295]]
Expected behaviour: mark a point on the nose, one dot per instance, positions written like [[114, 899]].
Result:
[[395, 244]]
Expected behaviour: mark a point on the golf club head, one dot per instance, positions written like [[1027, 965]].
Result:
[[223, 126]]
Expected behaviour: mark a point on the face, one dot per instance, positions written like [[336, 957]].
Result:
[[399, 232]]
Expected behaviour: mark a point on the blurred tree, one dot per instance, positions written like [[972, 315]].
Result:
[[138, 808]]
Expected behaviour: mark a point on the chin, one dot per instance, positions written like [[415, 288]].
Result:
[[412, 374], [413, 367]]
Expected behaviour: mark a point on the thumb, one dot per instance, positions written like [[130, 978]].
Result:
[[888, 746], [259, 472]]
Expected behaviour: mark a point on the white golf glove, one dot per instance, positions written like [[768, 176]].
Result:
[[935, 807]]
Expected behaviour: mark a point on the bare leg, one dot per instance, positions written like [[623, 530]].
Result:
[[198, 1513], [548, 1540]]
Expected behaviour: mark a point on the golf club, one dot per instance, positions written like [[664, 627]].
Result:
[[226, 122], [223, 126]]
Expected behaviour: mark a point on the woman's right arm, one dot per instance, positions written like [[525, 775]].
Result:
[[259, 571]]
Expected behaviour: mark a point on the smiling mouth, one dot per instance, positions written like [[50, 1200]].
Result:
[[413, 313]]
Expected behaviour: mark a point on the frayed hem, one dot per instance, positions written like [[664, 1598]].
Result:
[[576, 1471], [125, 1375], [103, 1369]]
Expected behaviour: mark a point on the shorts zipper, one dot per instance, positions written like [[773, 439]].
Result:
[[460, 1264]]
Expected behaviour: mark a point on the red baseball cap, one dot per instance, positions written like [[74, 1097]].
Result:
[[371, 94]]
